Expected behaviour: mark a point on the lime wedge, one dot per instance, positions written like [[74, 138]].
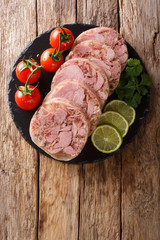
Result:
[[115, 119], [123, 108], [106, 138]]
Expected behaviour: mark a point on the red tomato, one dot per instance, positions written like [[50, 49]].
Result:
[[47, 63], [54, 39], [28, 102], [24, 74]]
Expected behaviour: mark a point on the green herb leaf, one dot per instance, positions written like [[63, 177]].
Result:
[[145, 80], [134, 71], [127, 90], [129, 86], [135, 100], [133, 62], [137, 97], [120, 93], [133, 83], [143, 90], [122, 82]]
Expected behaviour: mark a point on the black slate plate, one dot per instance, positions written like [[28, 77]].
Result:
[[22, 118]]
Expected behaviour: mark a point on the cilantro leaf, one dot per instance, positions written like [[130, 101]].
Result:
[[129, 88], [126, 91], [145, 80], [133, 62], [135, 100], [120, 94], [143, 90], [123, 81], [133, 84], [134, 71]]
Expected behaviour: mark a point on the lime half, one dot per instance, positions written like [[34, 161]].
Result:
[[106, 138], [123, 108], [117, 120]]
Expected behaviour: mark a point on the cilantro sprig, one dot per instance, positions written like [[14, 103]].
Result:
[[134, 83]]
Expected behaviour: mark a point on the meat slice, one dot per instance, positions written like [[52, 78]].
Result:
[[80, 94], [101, 55], [86, 71], [107, 36], [60, 128]]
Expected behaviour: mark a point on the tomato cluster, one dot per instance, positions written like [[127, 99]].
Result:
[[28, 97], [28, 71], [61, 39]]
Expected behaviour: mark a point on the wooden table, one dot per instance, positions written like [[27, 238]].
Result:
[[115, 199]]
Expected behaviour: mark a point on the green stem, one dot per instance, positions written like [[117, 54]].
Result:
[[27, 82], [26, 89], [28, 64], [32, 63], [55, 56], [64, 36]]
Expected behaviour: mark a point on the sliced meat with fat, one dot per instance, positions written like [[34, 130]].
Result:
[[102, 55], [60, 128], [86, 71], [80, 94], [107, 36]]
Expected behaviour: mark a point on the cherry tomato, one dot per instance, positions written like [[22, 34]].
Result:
[[24, 74], [28, 102], [47, 63], [67, 39]]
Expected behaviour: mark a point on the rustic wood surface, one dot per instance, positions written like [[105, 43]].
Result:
[[114, 199], [141, 161], [18, 160]]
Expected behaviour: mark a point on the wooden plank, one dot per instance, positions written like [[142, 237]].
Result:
[[59, 182], [100, 200], [54, 13], [100, 182], [18, 161], [140, 24], [98, 13], [59, 200]]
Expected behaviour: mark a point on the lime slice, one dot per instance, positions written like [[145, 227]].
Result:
[[106, 138], [117, 120], [123, 108]]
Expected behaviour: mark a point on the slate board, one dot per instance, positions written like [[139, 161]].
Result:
[[22, 118]]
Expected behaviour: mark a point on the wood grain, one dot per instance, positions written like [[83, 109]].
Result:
[[98, 12], [59, 200], [114, 199], [18, 161], [100, 182], [100, 200], [59, 182], [54, 13], [141, 162]]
